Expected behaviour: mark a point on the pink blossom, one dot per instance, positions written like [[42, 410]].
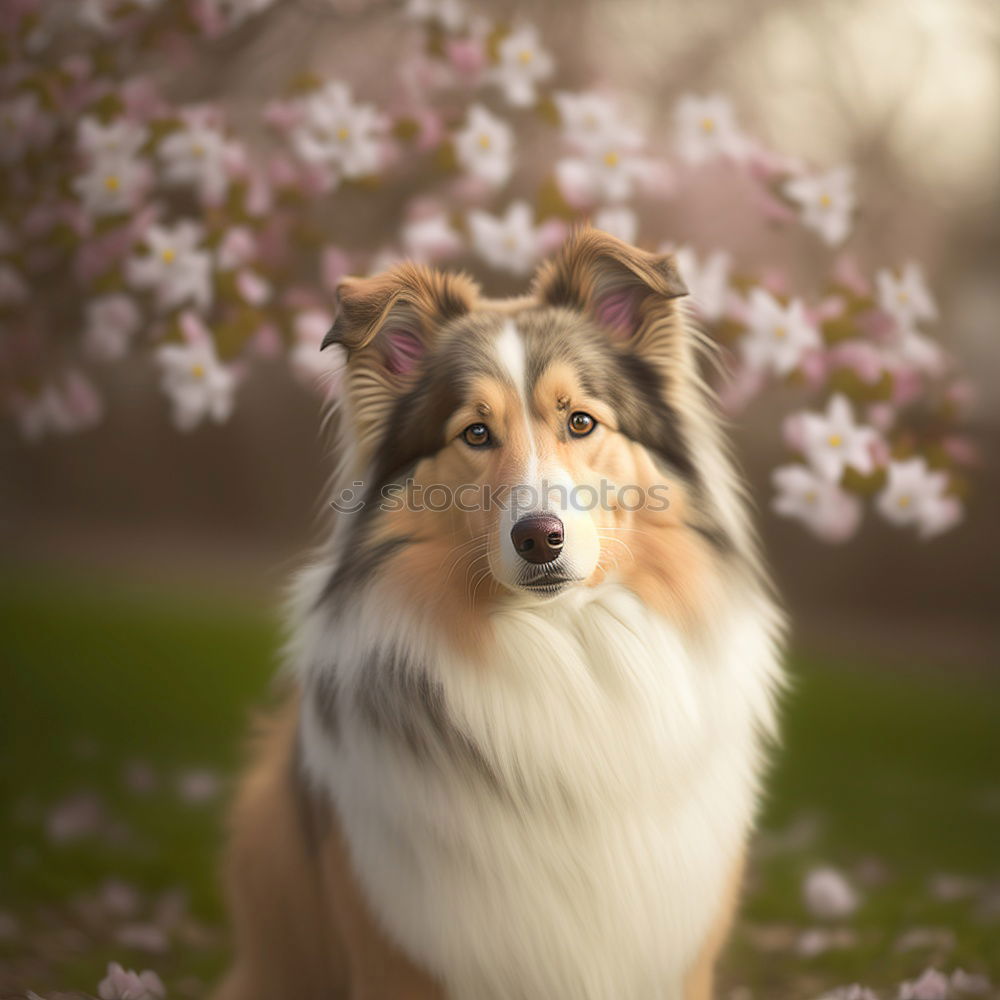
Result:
[[961, 449], [237, 248], [283, 115], [847, 273], [467, 56], [431, 126], [334, 265], [828, 894], [267, 341], [740, 387], [861, 357], [123, 984], [931, 985], [881, 416], [80, 815], [252, 287]]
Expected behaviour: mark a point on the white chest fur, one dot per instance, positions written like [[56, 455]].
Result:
[[582, 849]]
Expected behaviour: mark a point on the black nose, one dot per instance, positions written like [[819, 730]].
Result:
[[538, 538]]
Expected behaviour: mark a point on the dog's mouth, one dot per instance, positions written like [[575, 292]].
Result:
[[549, 584]]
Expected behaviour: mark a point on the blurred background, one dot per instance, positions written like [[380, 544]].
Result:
[[142, 567]]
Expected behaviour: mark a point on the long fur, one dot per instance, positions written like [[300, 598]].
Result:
[[539, 799]]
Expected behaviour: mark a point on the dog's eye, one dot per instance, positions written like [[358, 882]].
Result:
[[476, 435], [581, 424]]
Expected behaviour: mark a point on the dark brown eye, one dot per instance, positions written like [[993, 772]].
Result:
[[476, 435], [581, 424]]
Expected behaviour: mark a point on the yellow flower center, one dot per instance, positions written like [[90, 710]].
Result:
[[525, 56], [825, 200], [780, 333], [485, 141], [168, 255], [112, 183], [198, 150], [510, 242], [903, 298], [343, 133], [811, 497], [611, 158], [198, 371], [834, 440], [708, 125], [904, 501]]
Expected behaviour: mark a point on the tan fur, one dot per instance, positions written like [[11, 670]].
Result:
[[301, 929], [701, 977]]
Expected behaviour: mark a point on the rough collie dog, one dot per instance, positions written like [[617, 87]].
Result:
[[534, 667]]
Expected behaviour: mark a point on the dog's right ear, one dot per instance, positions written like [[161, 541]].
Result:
[[388, 323]]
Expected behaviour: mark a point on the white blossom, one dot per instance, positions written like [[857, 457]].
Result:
[[916, 495], [705, 129], [619, 221], [111, 320], [826, 201], [197, 384], [120, 139], [586, 119], [177, 269], [336, 132], [521, 65], [906, 298], [828, 895], [822, 506], [196, 155], [832, 441], [431, 238], [707, 280], [609, 170], [450, 14], [510, 242], [111, 185], [777, 335], [484, 147]]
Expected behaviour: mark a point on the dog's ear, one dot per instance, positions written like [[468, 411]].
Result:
[[387, 323], [621, 287]]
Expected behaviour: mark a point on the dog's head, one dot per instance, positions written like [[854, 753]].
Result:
[[513, 450]]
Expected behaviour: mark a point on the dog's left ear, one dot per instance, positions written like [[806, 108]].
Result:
[[621, 287]]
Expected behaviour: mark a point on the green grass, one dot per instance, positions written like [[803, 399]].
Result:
[[900, 768]]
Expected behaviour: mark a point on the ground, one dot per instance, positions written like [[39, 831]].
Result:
[[125, 714]]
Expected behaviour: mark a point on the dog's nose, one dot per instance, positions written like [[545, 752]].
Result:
[[538, 538]]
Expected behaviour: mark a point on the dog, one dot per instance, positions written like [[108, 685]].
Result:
[[533, 671]]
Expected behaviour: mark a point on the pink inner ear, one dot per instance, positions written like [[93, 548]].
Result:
[[403, 350], [618, 310]]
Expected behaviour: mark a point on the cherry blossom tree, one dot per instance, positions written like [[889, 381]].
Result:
[[137, 226]]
